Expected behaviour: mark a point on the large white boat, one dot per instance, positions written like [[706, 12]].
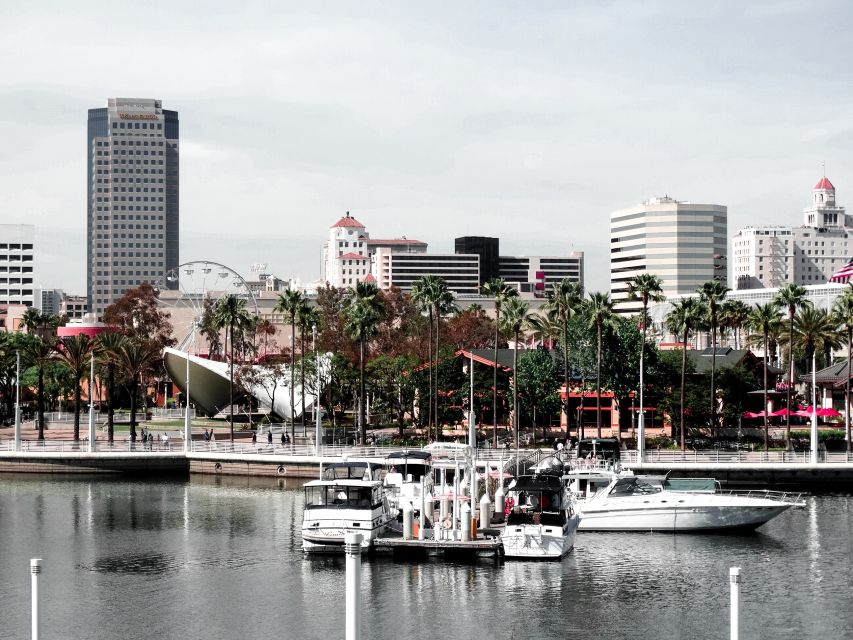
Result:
[[337, 506], [407, 475], [612, 501], [541, 522]]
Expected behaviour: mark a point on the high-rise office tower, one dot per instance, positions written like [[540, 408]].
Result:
[[16, 264], [683, 243], [489, 251], [132, 199]]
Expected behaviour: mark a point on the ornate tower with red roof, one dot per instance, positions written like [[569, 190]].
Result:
[[345, 254], [823, 212]]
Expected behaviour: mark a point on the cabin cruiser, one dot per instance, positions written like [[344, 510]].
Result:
[[541, 522], [334, 507], [620, 501]]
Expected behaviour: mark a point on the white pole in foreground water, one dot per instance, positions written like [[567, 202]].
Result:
[[188, 423], [814, 409], [352, 545], [35, 570], [734, 579]]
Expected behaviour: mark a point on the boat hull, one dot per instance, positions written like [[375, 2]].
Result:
[[542, 542], [330, 539], [676, 518]]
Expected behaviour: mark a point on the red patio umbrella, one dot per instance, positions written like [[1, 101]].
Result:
[[782, 412]]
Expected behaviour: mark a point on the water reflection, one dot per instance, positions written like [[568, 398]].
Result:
[[157, 563]]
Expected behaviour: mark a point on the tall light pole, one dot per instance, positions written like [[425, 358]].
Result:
[[18, 402], [814, 409], [188, 423], [92, 403], [318, 427]]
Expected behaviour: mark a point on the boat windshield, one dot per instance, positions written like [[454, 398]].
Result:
[[338, 497], [632, 487], [351, 471]]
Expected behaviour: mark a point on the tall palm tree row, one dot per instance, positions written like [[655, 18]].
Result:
[[288, 304], [646, 288], [599, 316], [790, 297], [362, 311], [74, 353], [763, 319], [515, 318], [562, 302], [815, 331], [501, 291], [443, 304], [232, 314], [685, 316], [712, 294], [843, 310], [307, 317]]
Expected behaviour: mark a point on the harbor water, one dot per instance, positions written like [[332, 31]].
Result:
[[221, 558]]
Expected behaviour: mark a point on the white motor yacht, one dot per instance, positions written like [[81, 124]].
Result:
[[613, 501], [541, 522], [337, 506]]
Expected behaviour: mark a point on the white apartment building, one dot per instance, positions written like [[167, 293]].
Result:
[[772, 256], [348, 251], [682, 243], [16, 264], [461, 271], [541, 271]]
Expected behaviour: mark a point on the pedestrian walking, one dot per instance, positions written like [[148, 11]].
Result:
[[269, 437], [283, 438], [255, 438]]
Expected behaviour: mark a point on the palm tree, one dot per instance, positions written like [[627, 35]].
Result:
[[733, 315], [108, 346], [646, 288], [515, 317], [74, 353], [288, 304], [307, 317], [231, 313], [442, 304], [501, 292], [363, 311], [815, 331], [562, 302], [790, 297], [712, 294], [599, 314], [685, 316], [762, 320], [136, 359], [38, 353], [420, 296], [843, 310]]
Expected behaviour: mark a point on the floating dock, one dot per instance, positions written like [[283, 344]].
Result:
[[487, 547]]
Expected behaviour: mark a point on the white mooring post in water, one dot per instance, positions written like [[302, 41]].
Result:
[[92, 434], [352, 546], [35, 570], [734, 580]]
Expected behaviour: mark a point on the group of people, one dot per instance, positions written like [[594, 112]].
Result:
[[285, 439], [209, 436]]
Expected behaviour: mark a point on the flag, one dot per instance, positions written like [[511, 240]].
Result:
[[844, 273]]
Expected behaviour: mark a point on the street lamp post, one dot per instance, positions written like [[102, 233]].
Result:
[[18, 402], [318, 427], [188, 423], [92, 402], [814, 409]]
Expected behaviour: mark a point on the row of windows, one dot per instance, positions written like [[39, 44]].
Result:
[[16, 280], [130, 180], [126, 217], [16, 258], [15, 246], [132, 254], [129, 208], [5, 269], [131, 189], [138, 125], [125, 170]]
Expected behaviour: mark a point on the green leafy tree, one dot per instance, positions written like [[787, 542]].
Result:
[[791, 297], [712, 294], [135, 360], [733, 316], [307, 317], [646, 288], [538, 385], [763, 319], [394, 388], [288, 304], [735, 384]]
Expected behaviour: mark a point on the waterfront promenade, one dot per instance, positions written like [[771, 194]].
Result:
[[833, 471]]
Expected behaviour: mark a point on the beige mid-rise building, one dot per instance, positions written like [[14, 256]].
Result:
[[683, 243]]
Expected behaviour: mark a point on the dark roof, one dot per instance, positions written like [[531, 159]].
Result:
[[487, 356], [414, 455], [835, 374], [726, 357]]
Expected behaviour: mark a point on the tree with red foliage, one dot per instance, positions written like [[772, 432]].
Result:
[[137, 314]]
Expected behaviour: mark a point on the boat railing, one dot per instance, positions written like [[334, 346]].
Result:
[[787, 497]]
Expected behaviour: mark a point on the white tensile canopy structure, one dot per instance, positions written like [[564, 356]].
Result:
[[209, 384]]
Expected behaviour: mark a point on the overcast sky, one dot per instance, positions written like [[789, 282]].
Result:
[[530, 121]]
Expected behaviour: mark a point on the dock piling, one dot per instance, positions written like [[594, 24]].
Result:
[[734, 580], [35, 570], [352, 545]]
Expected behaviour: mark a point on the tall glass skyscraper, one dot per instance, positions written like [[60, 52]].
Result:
[[132, 201]]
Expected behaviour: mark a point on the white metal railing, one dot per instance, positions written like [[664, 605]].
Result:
[[160, 412], [261, 447]]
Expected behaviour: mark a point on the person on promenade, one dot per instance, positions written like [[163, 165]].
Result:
[[283, 438], [269, 437], [255, 437]]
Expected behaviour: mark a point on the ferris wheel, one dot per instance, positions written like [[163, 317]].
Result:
[[186, 291]]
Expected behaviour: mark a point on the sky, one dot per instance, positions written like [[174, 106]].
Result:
[[529, 121]]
